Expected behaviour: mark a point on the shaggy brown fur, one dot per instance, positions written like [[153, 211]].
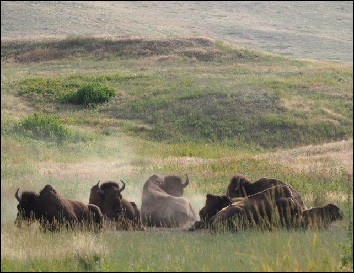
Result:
[[53, 211]]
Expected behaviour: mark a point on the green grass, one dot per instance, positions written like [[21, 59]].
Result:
[[195, 106], [182, 251], [200, 96]]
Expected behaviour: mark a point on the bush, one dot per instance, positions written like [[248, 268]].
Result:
[[43, 127], [90, 95]]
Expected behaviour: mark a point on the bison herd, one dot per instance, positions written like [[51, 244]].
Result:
[[265, 204]]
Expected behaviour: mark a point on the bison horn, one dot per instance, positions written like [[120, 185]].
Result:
[[16, 195], [238, 184], [123, 187], [98, 188], [187, 181]]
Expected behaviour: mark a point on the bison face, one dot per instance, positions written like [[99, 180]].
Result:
[[213, 204], [334, 212], [173, 185], [95, 197], [112, 203], [26, 209], [108, 198]]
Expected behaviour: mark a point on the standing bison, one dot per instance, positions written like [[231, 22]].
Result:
[[54, 211], [109, 199], [240, 186], [163, 204]]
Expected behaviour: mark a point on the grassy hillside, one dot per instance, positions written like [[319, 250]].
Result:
[[196, 90]]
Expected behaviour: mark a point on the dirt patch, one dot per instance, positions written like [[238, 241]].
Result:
[[87, 170], [187, 160]]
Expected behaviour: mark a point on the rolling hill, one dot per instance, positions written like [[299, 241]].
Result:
[[307, 29]]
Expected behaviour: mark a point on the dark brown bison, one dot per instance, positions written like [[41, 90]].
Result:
[[321, 217], [54, 211], [240, 186], [213, 204], [267, 209], [272, 207], [109, 199], [163, 204]]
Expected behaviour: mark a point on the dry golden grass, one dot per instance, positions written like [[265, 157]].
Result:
[[22, 245], [280, 27], [313, 157]]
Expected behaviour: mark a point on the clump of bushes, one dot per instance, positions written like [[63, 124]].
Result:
[[90, 95], [44, 90], [43, 127]]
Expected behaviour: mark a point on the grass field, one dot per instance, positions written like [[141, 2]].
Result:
[[198, 105], [315, 30]]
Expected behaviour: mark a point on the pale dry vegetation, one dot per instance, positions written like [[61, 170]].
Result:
[[303, 30], [325, 157], [67, 245]]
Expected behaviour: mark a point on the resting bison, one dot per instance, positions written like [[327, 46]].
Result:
[[109, 199], [272, 207], [213, 204], [53, 211], [162, 202], [318, 217], [240, 186]]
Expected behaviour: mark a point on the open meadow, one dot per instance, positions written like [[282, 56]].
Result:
[[196, 105]]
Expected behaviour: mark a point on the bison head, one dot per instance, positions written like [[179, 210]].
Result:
[[42, 206], [95, 198], [333, 212], [236, 187], [173, 185], [213, 204], [108, 198], [27, 206]]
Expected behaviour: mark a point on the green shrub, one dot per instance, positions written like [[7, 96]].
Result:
[[90, 95], [43, 89], [43, 127]]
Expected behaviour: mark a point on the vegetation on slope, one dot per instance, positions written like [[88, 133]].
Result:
[[197, 90]]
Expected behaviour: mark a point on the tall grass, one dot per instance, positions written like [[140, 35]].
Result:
[[175, 251]]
